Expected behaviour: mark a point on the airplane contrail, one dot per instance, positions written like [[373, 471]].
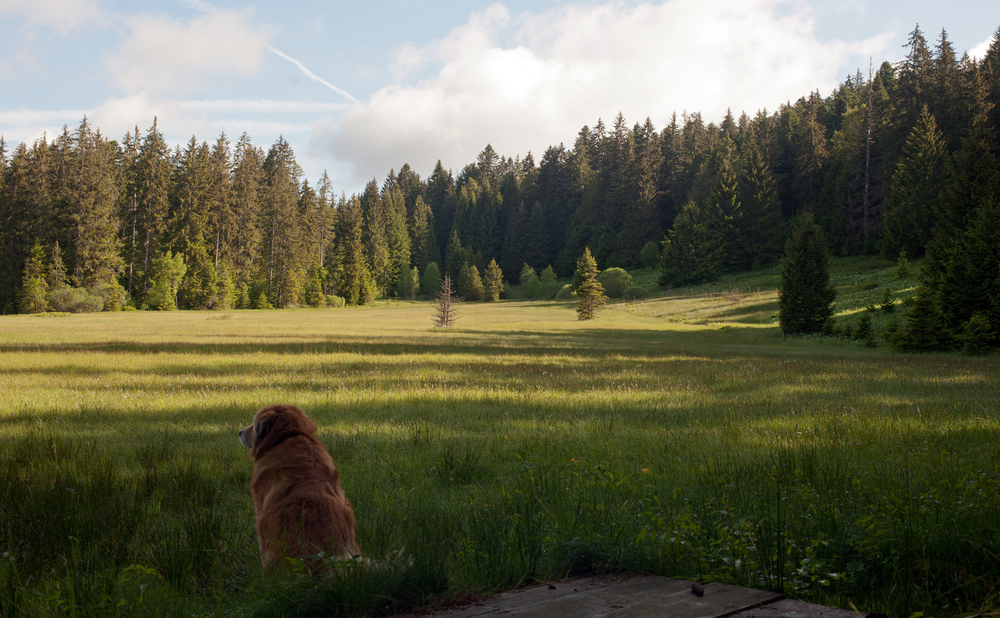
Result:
[[311, 75], [207, 7]]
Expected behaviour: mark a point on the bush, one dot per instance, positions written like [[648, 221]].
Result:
[[335, 301], [615, 281], [113, 295], [636, 293], [565, 292], [76, 300], [888, 303]]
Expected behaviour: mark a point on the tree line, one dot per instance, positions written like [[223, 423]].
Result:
[[901, 160]]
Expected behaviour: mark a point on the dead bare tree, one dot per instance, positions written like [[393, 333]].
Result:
[[445, 313]]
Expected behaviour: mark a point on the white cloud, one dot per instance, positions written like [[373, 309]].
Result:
[[167, 55], [60, 15], [567, 67], [979, 51]]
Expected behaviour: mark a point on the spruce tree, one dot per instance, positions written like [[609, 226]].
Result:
[[805, 299], [914, 191], [693, 251], [590, 292], [493, 284], [925, 329], [470, 284], [35, 286]]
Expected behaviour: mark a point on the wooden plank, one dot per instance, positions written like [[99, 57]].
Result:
[[640, 597], [788, 608]]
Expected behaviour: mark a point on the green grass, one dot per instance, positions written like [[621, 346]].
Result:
[[679, 435]]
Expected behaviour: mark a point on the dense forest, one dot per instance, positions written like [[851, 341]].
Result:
[[901, 160]]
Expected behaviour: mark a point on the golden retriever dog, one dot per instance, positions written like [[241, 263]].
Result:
[[299, 507]]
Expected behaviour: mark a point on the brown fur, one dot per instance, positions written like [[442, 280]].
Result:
[[299, 505]]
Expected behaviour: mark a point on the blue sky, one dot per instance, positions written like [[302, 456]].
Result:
[[359, 88]]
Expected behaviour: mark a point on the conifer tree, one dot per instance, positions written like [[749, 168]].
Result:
[[246, 193], [286, 260], [350, 265], [915, 190], [93, 209], [408, 284], [493, 284], [693, 251], [805, 298], [424, 243], [925, 329], [430, 281], [763, 226], [590, 291], [168, 272], [470, 284], [152, 186], [221, 220], [548, 286], [35, 286]]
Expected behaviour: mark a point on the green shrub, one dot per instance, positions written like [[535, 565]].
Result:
[[636, 293], [76, 300], [888, 303], [615, 281], [565, 292], [335, 301]]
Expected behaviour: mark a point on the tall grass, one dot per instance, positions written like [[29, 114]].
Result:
[[522, 445]]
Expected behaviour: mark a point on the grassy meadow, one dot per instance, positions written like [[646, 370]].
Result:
[[679, 435]]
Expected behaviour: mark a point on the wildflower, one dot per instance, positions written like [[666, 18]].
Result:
[[645, 470]]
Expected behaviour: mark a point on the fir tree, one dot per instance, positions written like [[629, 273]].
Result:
[[805, 298], [590, 292]]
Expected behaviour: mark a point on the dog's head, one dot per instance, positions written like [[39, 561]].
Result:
[[273, 425]]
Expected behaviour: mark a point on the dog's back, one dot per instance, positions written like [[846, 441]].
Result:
[[301, 510]]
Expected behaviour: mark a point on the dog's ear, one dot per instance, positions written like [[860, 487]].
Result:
[[262, 427]]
